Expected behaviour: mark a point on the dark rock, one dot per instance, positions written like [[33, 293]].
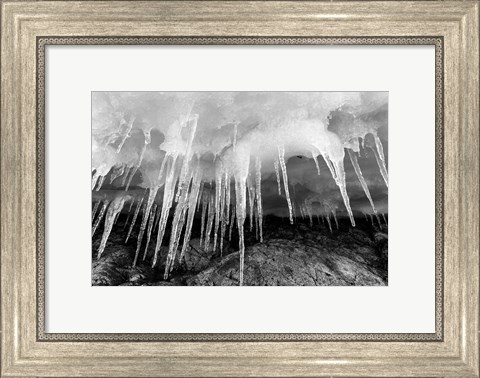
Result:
[[298, 254], [280, 262]]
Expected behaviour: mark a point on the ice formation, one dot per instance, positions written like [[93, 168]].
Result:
[[204, 157]]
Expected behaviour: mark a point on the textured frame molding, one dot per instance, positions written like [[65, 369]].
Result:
[[27, 352]]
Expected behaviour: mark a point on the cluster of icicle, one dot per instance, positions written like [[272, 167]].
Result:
[[225, 198]]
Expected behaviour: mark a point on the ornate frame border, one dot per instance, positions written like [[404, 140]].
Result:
[[43, 42]]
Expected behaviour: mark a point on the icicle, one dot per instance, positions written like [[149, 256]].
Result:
[[378, 152], [334, 213], [187, 158], [116, 218], [134, 169], [129, 213], [177, 227], [211, 216], [192, 205], [202, 185], [125, 175], [258, 181], [168, 193], [115, 207], [328, 221], [127, 133], [308, 210], [255, 216], [157, 217], [178, 223], [232, 222], [100, 183], [146, 214], [227, 195], [339, 169], [95, 208], [358, 171], [385, 219], [148, 139], [225, 208], [95, 177], [131, 205], [218, 199], [100, 217], [135, 215], [240, 188], [277, 173], [281, 157], [315, 159], [250, 201], [331, 168], [117, 172], [204, 218]]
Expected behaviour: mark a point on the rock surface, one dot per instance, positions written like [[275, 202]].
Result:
[[291, 255]]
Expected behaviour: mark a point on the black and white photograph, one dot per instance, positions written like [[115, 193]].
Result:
[[239, 188]]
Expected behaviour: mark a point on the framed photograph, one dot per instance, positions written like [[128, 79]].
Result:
[[240, 188]]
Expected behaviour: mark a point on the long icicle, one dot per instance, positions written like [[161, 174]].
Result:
[[178, 223], [168, 193], [251, 200], [204, 218], [146, 214], [241, 200], [100, 216], [100, 181], [341, 182], [277, 173], [328, 221], [127, 133], [125, 175], [232, 222], [148, 139], [225, 208], [358, 171], [177, 226], [315, 159], [338, 172], [258, 181], [218, 194], [95, 208], [135, 215], [115, 207], [117, 172], [192, 206], [334, 213], [95, 177], [187, 158], [149, 229], [378, 152], [211, 216], [129, 213], [281, 158]]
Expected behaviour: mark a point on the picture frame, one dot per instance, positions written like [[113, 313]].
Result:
[[27, 27]]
